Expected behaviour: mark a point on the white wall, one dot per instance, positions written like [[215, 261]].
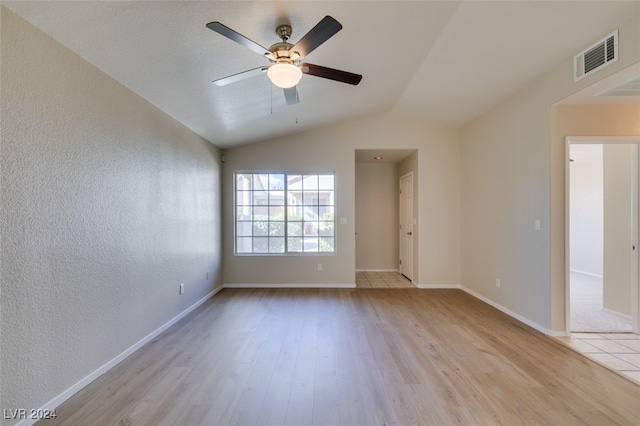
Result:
[[376, 216], [107, 205], [333, 148], [587, 210], [512, 175]]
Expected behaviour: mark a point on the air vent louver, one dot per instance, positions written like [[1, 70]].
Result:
[[596, 56], [611, 48]]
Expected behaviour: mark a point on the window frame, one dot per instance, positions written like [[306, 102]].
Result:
[[287, 208]]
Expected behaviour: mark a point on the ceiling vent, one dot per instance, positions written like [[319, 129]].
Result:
[[596, 56]]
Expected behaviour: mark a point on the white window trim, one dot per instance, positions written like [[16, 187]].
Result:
[[286, 220]]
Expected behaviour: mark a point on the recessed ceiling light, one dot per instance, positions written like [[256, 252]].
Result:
[[377, 158]]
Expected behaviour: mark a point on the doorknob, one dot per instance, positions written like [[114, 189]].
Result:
[[409, 233]]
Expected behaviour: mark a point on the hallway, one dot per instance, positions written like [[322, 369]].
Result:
[[370, 279]]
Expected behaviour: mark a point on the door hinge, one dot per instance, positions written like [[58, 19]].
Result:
[[401, 261]]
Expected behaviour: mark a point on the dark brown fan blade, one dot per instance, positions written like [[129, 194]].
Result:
[[323, 31], [291, 95], [239, 76], [237, 37], [331, 74]]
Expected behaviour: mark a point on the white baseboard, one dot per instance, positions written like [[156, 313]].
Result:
[[509, 312], [494, 304], [287, 285], [58, 400], [589, 274], [621, 315], [376, 270], [437, 286]]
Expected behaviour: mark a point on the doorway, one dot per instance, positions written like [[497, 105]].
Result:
[[378, 173], [602, 217]]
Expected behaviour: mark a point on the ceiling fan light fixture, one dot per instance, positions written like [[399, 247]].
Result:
[[284, 75]]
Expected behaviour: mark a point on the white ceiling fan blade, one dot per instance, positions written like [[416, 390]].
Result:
[[240, 76], [238, 38], [291, 95]]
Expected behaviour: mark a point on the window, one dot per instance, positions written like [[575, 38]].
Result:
[[281, 212]]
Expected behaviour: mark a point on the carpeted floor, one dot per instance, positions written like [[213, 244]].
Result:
[[587, 314]]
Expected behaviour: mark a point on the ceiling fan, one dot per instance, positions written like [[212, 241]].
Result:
[[286, 68]]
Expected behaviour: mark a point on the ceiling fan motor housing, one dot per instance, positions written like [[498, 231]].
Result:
[[282, 51], [284, 32]]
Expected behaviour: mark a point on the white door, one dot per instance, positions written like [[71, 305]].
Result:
[[406, 226], [619, 240]]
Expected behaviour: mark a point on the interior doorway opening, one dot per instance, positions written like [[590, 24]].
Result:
[[379, 247], [602, 227]]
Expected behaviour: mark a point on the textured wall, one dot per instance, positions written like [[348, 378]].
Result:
[[107, 205]]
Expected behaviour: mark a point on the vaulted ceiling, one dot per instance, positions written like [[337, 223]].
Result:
[[442, 61]]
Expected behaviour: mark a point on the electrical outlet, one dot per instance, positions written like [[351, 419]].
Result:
[[319, 267], [498, 283], [181, 288]]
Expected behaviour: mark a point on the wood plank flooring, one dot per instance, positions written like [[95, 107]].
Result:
[[353, 357]]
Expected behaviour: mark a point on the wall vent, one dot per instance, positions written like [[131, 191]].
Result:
[[596, 56]]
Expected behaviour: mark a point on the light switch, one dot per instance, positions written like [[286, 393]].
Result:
[[343, 221]]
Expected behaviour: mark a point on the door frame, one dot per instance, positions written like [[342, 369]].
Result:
[[635, 258], [411, 223]]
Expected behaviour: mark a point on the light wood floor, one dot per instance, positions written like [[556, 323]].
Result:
[[353, 357]]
